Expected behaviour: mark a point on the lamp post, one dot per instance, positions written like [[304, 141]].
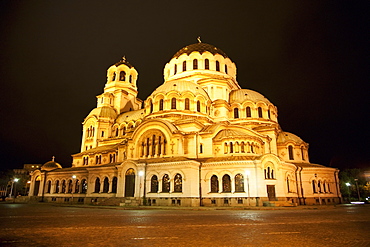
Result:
[[249, 198], [11, 189], [349, 197], [73, 184], [358, 191]]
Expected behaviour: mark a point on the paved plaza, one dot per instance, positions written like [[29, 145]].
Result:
[[60, 225]]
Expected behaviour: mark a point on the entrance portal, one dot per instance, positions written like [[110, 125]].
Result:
[[130, 183], [271, 192]]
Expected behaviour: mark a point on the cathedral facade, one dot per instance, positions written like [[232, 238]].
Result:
[[198, 140]]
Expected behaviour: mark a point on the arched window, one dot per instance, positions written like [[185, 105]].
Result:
[[242, 147], [302, 153], [269, 113], [48, 187], [239, 183], [319, 186], [130, 79], [314, 186], [231, 148], [195, 64], [97, 185], [288, 183], [206, 63], [236, 113], [154, 184], [114, 185], [290, 152], [56, 187], [63, 186], [77, 186], [173, 103], [214, 184], [198, 106], [187, 104], [161, 104], [175, 69], [151, 107], [226, 69], [226, 183], [217, 66], [166, 183], [184, 66], [122, 76], [117, 131], [114, 76], [106, 185], [260, 112], [177, 183], [84, 186], [248, 111]]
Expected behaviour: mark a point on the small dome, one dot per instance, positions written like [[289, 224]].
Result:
[[285, 137], [241, 95], [104, 111], [51, 165], [201, 48], [182, 87]]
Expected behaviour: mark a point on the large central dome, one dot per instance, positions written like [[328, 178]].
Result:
[[201, 48]]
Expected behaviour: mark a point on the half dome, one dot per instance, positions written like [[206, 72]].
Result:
[[242, 95], [285, 137]]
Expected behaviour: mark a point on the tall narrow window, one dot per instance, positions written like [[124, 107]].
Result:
[[236, 113], [231, 147], [214, 184], [175, 69], [161, 104], [166, 183], [248, 111], [198, 106], [151, 107], [77, 186], [154, 184], [114, 185], [201, 148], [122, 76], [187, 104], [114, 76], [206, 64], [184, 66], [239, 183], [260, 112], [217, 66], [106, 185], [97, 185], [288, 184], [290, 152], [56, 187], [48, 187], [130, 79], [84, 186], [269, 114], [173, 103], [177, 183], [302, 153], [314, 186], [226, 69], [195, 64], [226, 183]]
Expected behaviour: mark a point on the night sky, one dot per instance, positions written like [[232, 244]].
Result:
[[309, 58]]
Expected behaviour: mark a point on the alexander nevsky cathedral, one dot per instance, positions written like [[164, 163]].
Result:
[[197, 140]]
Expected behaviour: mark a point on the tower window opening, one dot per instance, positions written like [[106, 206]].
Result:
[[198, 106], [184, 66], [130, 79], [195, 64], [290, 151], [260, 112], [175, 69], [226, 69], [122, 76], [248, 112], [236, 113], [206, 64], [114, 76], [217, 66], [173, 103], [187, 104], [161, 104]]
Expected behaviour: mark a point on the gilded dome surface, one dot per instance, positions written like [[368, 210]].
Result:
[[182, 87], [104, 111], [241, 95], [201, 48], [285, 137], [51, 165]]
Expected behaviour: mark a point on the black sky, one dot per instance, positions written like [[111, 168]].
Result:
[[310, 58]]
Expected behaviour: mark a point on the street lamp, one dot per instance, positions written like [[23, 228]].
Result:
[[249, 198], [11, 189], [349, 197], [358, 191]]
